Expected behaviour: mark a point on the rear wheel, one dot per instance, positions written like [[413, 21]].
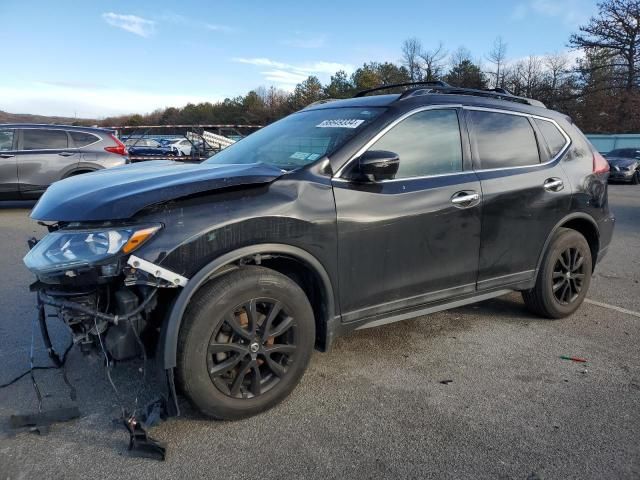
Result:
[[564, 276], [245, 343]]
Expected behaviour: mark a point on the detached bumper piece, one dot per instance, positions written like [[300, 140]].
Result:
[[41, 422]]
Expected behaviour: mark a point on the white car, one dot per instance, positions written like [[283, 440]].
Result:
[[181, 146]]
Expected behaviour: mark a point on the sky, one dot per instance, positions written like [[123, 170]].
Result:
[[94, 59]]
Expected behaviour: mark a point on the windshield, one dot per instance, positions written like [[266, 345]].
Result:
[[625, 152], [298, 139]]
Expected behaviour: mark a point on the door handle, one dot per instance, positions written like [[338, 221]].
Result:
[[65, 154], [6, 155], [553, 185], [465, 199]]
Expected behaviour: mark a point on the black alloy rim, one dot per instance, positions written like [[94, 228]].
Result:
[[253, 349], [568, 276]]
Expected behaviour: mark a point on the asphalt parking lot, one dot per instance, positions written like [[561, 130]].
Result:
[[375, 406]]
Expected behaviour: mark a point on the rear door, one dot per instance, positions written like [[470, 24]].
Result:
[[45, 156], [524, 188], [8, 168], [407, 241]]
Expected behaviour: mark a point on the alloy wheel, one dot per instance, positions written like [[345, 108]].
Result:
[[252, 349], [568, 276]]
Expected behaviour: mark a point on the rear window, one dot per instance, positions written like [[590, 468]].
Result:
[[82, 139], [503, 140], [37, 139], [555, 140]]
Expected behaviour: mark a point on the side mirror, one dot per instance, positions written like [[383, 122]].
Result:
[[378, 165]]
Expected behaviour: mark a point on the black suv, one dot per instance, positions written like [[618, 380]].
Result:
[[346, 215]]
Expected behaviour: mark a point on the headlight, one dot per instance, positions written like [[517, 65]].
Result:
[[69, 249]]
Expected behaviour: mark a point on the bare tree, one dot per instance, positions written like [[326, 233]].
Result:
[[411, 52], [434, 62], [616, 31], [498, 56], [557, 67]]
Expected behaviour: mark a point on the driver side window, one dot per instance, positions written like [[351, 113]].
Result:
[[427, 142]]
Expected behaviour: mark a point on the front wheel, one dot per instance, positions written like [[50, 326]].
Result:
[[564, 276], [245, 343], [635, 180]]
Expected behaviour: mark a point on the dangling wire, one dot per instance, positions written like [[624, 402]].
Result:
[[31, 367], [107, 364]]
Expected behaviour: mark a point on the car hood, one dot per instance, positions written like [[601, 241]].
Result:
[[621, 162], [119, 193]]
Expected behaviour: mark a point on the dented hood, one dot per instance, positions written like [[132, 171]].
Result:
[[119, 193]]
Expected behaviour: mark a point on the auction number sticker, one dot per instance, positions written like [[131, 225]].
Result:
[[341, 123]]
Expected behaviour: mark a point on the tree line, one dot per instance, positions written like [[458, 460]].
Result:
[[599, 88]]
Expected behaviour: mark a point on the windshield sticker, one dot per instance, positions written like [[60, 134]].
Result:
[[300, 155], [313, 156], [341, 123]]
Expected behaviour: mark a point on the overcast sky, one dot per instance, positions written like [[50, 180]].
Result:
[[94, 59]]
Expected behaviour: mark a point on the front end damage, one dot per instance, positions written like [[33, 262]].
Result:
[[112, 302]]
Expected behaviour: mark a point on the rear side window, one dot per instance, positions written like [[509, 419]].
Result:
[[6, 140], [555, 140], [36, 139], [503, 140], [428, 143], [82, 139]]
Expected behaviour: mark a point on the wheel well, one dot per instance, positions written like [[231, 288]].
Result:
[[307, 279], [588, 231], [79, 172]]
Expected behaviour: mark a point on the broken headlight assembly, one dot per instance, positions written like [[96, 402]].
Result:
[[67, 249]]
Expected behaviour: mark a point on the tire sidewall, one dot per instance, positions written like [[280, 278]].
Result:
[[564, 239], [208, 315]]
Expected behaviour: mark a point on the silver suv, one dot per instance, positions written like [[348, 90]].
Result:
[[32, 157]]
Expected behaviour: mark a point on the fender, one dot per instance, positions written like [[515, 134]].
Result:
[[572, 216], [169, 338]]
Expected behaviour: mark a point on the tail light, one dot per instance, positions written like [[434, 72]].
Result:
[[120, 147], [600, 164]]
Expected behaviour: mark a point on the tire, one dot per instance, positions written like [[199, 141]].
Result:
[[636, 179], [255, 373], [555, 294]]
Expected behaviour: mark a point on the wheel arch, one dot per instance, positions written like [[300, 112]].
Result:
[[582, 223], [79, 171], [280, 257]]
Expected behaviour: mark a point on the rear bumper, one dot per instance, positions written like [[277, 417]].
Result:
[[605, 227]]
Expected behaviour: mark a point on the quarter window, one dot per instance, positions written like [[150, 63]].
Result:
[[503, 140], [6, 140], [82, 139], [555, 140], [36, 139], [427, 143]]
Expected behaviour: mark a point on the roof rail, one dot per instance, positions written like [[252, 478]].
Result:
[[439, 87], [320, 102], [434, 83]]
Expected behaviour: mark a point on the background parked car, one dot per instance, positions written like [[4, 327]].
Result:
[[148, 147], [181, 146], [32, 157], [625, 165]]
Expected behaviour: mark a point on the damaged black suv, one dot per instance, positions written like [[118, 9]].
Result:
[[346, 215]]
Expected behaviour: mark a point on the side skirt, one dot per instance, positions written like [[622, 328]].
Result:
[[398, 317]]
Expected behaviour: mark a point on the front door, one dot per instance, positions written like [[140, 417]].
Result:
[[8, 168], [413, 239], [45, 156]]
